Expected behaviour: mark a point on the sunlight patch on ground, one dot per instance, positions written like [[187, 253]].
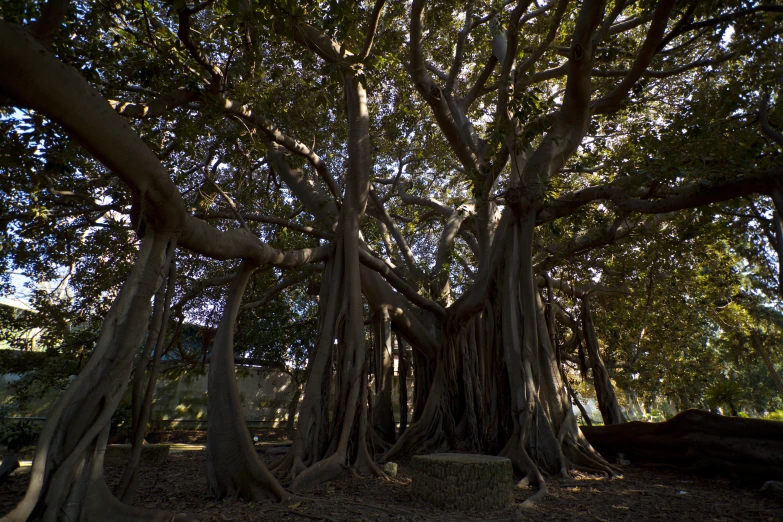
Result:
[[24, 467], [175, 448]]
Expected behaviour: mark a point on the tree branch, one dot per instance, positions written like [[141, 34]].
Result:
[[279, 137], [668, 72], [433, 95], [765, 126], [272, 220], [35, 77], [378, 265], [402, 244], [155, 107], [459, 51], [276, 289], [52, 18], [372, 27], [614, 100], [183, 32], [691, 196]]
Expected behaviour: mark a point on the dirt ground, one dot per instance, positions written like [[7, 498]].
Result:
[[642, 494]]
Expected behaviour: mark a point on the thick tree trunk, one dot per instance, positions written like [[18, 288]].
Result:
[[383, 413], [233, 467], [327, 441], [67, 480], [498, 384], [142, 395], [604, 391]]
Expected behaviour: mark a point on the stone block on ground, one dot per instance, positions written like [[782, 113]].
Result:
[[118, 455], [390, 468], [465, 482]]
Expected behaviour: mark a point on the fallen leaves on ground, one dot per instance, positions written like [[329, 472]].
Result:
[[642, 494]]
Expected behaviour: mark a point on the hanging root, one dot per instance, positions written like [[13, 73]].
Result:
[[524, 465], [364, 462], [380, 445], [426, 433]]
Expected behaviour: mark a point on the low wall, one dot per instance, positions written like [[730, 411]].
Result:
[[181, 402]]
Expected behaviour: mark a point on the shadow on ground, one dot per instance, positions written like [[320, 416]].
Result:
[[642, 494]]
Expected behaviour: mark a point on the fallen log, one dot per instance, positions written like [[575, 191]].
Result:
[[697, 440]]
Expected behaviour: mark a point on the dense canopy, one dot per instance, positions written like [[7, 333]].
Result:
[[515, 197]]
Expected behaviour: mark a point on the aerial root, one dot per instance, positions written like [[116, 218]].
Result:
[[583, 460], [415, 436], [366, 464], [379, 444], [322, 471], [535, 497]]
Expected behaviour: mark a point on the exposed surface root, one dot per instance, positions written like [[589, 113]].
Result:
[[427, 432], [535, 497], [101, 505]]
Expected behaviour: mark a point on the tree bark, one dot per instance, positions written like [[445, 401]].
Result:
[[67, 475], [141, 405], [233, 467], [326, 442]]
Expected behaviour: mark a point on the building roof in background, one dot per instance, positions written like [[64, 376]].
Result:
[[15, 303]]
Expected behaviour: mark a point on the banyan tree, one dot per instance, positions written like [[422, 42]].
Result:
[[428, 167]]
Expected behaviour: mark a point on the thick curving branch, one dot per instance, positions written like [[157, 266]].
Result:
[[279, 137], [372, 27], [370, 261], [155, 107], [434, 95], [615, 99], [37, 79], [272, 220], [690, 196]]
